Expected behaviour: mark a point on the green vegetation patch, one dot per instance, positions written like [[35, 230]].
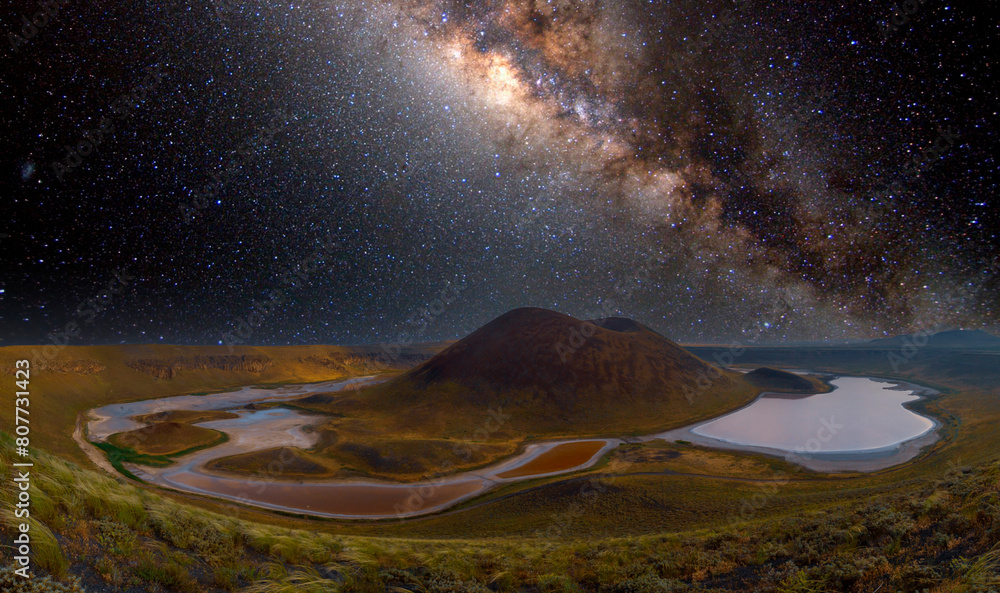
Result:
[[120, 455]]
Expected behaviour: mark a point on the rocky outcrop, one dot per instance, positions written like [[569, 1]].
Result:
[[167, 368], [79, 367], [365, 361]]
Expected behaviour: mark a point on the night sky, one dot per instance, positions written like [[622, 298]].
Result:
[[365, 172]]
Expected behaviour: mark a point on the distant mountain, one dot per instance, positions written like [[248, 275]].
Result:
[[956, 338], [773, 379], [555, 373]]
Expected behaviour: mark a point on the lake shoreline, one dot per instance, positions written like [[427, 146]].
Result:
[[412, 499], [863, 461]]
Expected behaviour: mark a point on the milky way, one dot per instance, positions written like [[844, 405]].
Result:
[[721, 171]]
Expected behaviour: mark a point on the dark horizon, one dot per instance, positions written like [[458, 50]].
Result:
[[755, 339]]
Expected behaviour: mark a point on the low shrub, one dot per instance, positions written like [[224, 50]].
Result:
[[10, 582]]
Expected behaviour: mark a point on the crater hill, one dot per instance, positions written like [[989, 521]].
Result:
[[554, 374]]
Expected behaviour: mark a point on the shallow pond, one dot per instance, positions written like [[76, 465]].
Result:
[[556, 459], [108, 420], [859, 415]]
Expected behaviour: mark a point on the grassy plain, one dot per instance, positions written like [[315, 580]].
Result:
[[649, 517]]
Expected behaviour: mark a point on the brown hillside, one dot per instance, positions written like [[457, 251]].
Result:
[[560, 374]]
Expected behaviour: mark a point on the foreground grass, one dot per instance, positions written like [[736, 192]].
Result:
[[941, 536]]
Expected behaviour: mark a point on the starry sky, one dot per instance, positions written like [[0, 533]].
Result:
[[402, 170]]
